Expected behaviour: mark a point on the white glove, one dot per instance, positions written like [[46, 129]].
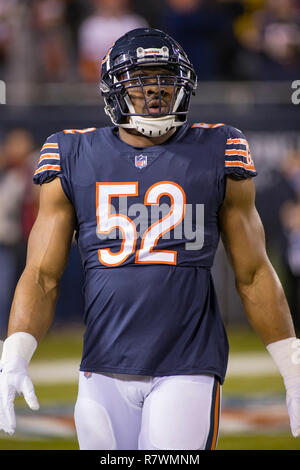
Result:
[[292, 385], [14, 379], [286, 355]]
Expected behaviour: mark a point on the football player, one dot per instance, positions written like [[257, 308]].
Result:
[[155, 349]]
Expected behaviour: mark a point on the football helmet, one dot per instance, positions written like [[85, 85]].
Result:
[[122, 73]]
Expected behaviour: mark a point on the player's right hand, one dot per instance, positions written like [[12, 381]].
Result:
[[14, 381], [292, 385]]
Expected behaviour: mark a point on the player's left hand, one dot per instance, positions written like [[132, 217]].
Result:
[[292, 385], [2, 416]]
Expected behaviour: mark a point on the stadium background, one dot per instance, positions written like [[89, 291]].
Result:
[[247, 57]]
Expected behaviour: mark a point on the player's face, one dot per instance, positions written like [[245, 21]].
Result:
[[155, 97]]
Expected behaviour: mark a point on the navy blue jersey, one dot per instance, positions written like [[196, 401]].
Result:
[[147, 231]]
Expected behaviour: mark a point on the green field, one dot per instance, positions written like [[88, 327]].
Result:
[[57, 401]]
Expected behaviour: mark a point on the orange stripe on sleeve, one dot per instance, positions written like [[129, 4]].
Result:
[[47, 167], [49, 146], [237, 141], [244, 153], [216, 418], [54, 156]]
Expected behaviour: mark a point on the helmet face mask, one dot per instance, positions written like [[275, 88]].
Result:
[[133, 76]]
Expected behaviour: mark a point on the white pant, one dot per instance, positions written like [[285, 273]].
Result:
[[118, 411]]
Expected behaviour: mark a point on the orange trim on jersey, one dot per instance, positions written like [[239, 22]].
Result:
[[244, 153], [216, 418], [219, 124], [240, 164], [49, 146], [54, 156], [47, 167], [79, 131], [237, 141], [205, 125]]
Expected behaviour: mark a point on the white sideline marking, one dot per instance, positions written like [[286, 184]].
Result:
[[63, 371], [66, 371], [251, 364]]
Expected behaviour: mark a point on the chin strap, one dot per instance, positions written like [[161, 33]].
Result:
[[152, 127]]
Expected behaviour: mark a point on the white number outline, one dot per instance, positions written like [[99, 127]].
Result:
[[107, 220], [145, 254]]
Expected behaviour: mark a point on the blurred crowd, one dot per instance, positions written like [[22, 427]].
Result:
[[289, 213], [19, 200], [64, 40], [18, 208], [279, 208]]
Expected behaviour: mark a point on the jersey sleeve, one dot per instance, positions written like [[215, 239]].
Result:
[[238, 160], [49, 164]]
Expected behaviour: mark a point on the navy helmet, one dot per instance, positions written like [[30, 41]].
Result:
[[122, 70]]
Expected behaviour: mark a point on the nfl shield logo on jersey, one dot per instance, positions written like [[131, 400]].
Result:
[[141, 161]]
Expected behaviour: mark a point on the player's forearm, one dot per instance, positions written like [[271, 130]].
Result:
[[266, 306], [34, 304]]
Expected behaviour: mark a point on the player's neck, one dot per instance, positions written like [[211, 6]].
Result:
[[134, 138]]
